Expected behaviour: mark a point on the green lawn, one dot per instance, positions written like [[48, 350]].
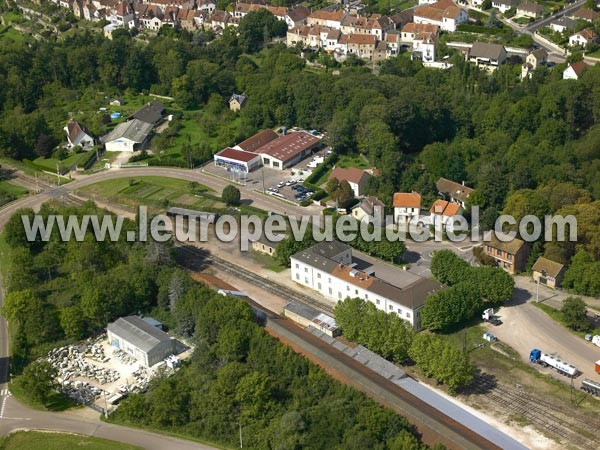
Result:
[[8, 188], [37, 440], [595, 54], [50, 163], [154, 192], [347, 161]]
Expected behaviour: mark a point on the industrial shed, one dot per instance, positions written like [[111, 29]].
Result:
[[145, 342]]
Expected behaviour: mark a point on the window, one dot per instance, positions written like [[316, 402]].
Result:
[[330, 291], [509, 256], [355, 291], [319, 275], [306, 280], [391, 307], [377, 301], [297, 266], [306, 270], [347, 287], [297, 276], [408, 315], [329, 279], [367, 296], [319, 286], [340, 295]]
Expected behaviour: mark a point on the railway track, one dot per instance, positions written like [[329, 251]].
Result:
[[254, 279], [541, 413]]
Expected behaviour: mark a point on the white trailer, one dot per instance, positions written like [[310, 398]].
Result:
[[558, 364]]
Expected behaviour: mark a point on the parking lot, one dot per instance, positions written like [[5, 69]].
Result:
[[284, 184]]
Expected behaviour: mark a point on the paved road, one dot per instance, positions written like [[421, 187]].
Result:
[[526, 327]]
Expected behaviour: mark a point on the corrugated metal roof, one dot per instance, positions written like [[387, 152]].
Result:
[[138, 332]]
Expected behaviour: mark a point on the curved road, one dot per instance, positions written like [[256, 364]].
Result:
[[13, 415]]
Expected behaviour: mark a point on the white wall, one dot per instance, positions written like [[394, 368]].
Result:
[[338, 289]]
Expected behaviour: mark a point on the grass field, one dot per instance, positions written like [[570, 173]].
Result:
[[50, 163], [36, 440], [155, 192], [8, 188], [357, 161]]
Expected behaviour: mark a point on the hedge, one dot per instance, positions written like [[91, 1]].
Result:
[[320, 170]]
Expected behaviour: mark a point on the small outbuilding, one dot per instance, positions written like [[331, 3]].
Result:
[[142, 340], [237, 101], [548, 272]]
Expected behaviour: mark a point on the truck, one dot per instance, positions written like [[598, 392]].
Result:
[[598, 367], [596, 340], [536, 356], [488, 316]]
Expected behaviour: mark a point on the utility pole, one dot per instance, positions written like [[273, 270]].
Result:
[[57, 174], [262, 172], [241, 442], [537, 295]]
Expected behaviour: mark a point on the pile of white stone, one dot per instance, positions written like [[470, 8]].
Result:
[[70, 363], [80, 391], [124, 357]]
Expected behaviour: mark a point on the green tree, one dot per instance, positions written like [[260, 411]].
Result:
[[574, 313], [72, 322], [38, 381], [448, 268], [231, 195]]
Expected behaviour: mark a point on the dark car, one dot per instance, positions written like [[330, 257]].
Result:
[[495, 322]]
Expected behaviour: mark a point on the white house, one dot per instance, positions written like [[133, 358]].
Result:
[[530, 9], [575, 70], [454, 192], [535, 59], [356, 178], [442, 214], [407, 207], [583, 38], [127, 136], [327, 268], [503, 5], [563, 24], [77, 135], [444, 13], [370, 208]]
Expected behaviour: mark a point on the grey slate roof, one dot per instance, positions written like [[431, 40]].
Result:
[[138, 332], [485, 50], [329, 249], [134, 130], [151, 113]]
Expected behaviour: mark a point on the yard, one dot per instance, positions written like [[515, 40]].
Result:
[[38, 440], [156, 192]]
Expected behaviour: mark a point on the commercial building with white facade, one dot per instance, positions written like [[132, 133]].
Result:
[[327, 268], [142, 340], [128, 136]]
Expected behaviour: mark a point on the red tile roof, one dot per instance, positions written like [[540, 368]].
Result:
[[444, 208], [352, 175], [287, 147], [258, 140], [238, 155], [407, 200]]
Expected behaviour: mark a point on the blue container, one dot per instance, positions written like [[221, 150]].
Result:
[[115, 115]]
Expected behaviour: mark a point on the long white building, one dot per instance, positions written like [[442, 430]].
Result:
[[327, 268]]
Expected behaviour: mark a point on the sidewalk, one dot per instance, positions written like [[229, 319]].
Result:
[[552, 296]]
